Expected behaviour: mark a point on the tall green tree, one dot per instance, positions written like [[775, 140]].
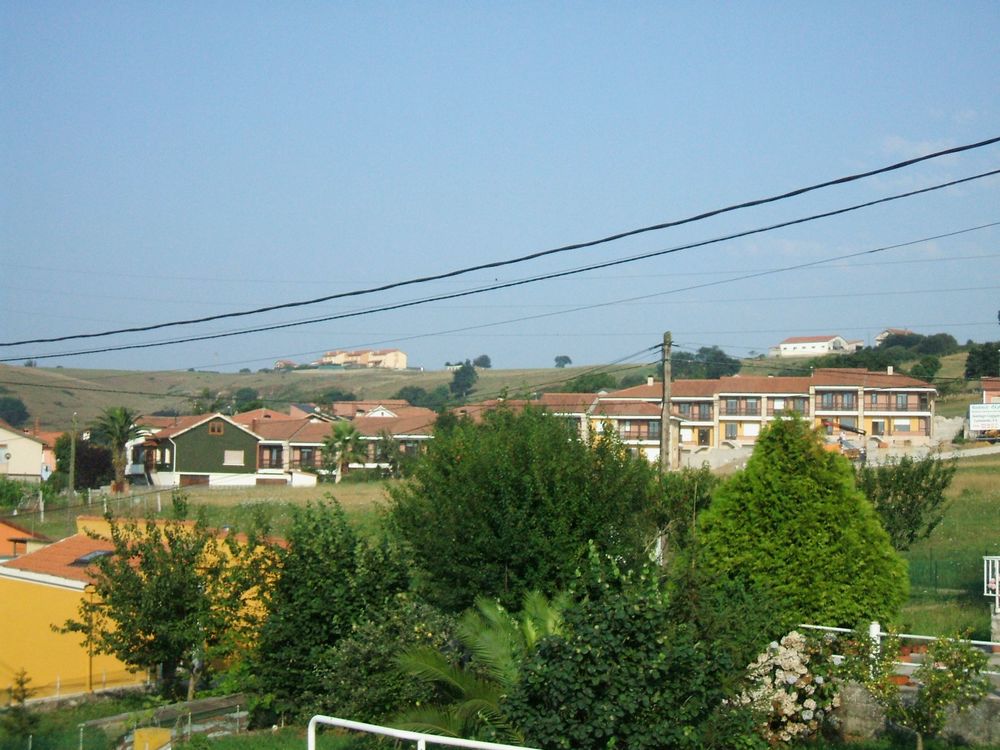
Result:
[[908, 495], [463, 379], [342, 447], [794, 525], [562, 360], [93, 462], [115, 427], [328, 578], [167, 598], [507, 505]]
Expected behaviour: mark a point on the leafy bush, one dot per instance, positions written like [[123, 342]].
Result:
[[623, 674], [11, 492], [359, 676]]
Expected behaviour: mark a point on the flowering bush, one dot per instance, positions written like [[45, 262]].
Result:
[[791, 686]]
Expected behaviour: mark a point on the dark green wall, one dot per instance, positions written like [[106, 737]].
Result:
[[197, 451]]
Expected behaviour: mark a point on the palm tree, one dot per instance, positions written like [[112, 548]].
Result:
[[498, 642], [341, 447], [115, 427]]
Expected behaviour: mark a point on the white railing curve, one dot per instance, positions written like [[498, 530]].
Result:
[[420, 738]]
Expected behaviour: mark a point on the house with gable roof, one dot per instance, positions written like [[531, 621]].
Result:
[[204, 449]]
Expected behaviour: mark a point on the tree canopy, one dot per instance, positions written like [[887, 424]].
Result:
[[983, 360], [463, 379], [562, 360], [13, 411], [115, 427], [794, 525], [908, 495], [504, 506]]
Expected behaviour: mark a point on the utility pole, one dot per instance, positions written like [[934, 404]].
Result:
[[666, 463], [72, 461]]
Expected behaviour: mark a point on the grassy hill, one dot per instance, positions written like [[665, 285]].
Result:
[[52, 395]]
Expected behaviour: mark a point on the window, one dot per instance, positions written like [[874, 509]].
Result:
[[731, 430], [751, 430], [753, 406], [687, 434], [732, 406], [233, 458], [704, 436], [901, 425], [873, 399], [901, 401], [704, 413], [654, 430], [826, 400], [778, 403], [307, 457], [685, 409], [624, 428], [215, 428], [850, 401], [878, 427]]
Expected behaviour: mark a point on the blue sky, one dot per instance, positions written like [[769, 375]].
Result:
[[167, 161]]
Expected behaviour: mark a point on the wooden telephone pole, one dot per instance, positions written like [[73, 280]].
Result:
[[666, 463]]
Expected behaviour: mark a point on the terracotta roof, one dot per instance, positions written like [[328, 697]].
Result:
[[294, 430], [645, 390], [703, 388], [411, 424], [180, 424], [832, 376], [567, 402], [763, 384], [57, 558], [245, 418], [10, 531], [48, 437], [627, 409], [810, 339], [350, 409]]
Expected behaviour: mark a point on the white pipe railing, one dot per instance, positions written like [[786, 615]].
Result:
[[420, 738]]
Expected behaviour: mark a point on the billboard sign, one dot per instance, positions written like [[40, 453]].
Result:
[[983, 417]]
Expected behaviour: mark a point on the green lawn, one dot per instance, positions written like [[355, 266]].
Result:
[[946, 569]]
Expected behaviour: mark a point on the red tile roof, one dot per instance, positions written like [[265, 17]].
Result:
[[245, 418], [627, 409], [57, 558], [567, 403]]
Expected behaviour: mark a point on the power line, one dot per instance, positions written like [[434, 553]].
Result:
[[543, 277], [523, 258]]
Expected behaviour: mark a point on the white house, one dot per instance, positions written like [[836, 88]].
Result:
[[21, 455], [814, 346]]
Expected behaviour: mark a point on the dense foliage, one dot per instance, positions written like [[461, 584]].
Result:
[[93, 462], [708, 362], [328, 580], [463, 379], [590, 382], [359, 677], [114, 428], [13, 411], [983, 360], [417, 396], [908, 495], [169, 597], [623, 673], [507, 505], [793, 524]]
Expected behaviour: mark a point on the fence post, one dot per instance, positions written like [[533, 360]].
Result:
[[90, 495], [41, 504], [159, 505], [81, 737], [105, 499]]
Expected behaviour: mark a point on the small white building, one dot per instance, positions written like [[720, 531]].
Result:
[[814, 346], [21, 455]]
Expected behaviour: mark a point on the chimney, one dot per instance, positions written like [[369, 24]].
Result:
[[649, 380], [888, 370]]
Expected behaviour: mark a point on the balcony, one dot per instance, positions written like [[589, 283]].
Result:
[[801, 410], [897, 406], [271, 461], [739, 410], [639, 434]]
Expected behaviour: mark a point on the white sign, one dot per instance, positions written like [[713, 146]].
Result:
[[983, 417]]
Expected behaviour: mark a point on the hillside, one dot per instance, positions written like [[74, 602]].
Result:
[[52, 395]]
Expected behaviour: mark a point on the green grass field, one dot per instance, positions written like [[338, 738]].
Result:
[[946, 569]]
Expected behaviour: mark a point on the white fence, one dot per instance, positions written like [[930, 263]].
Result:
[[420, 738]]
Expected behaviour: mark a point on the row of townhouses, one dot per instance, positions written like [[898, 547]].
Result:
[[871, 409]]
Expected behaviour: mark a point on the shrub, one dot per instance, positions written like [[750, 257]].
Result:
[[794, 525]]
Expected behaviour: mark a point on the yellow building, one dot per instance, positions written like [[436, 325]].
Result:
[[41, 590]]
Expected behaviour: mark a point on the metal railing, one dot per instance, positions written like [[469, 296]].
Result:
[[421, 738]]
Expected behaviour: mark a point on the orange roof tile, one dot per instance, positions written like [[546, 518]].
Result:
[[57, 558], [627, 409]]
